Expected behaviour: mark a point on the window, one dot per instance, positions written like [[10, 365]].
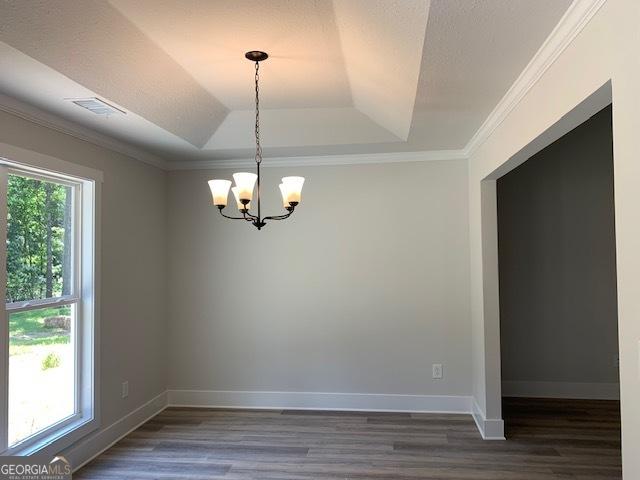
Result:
[[47, 230]]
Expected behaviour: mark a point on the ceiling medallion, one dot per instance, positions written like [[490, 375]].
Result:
[[290, 188]]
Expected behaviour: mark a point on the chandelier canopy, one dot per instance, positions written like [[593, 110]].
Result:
[[290, 188]]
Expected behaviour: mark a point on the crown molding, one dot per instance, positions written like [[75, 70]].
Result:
[[570, 25], [319, 160], [40, 117]]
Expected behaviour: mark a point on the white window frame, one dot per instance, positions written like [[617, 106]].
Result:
[[86, 183]]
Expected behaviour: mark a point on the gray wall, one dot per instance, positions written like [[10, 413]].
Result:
[[133, 313], [359, 292], [558, 307]]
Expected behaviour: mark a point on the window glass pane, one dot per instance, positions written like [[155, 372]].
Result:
[[39, 239], [41, 369]]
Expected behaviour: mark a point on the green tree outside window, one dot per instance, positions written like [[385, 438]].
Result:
[[38, 239]]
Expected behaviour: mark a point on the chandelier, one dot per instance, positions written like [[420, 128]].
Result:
[[290, 188]]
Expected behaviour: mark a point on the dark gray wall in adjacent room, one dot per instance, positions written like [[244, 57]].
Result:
[[557, 261]]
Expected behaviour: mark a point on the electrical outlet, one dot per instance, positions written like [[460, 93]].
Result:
[[125, 389], [437, 370]]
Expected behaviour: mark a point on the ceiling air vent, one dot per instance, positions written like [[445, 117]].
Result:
[[97, 106]]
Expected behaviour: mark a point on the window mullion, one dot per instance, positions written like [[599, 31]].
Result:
[[44, 303], [4, 320], [77, 292]]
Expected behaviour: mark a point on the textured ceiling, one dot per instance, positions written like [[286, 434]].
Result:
[[382, 43], [93, 44], [208, 39], [344, 76]]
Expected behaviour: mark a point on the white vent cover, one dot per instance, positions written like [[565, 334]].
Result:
[[97, 106]]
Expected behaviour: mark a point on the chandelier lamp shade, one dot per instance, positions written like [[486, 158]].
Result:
[[247, 183]]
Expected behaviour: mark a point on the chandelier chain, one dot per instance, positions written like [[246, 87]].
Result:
[[258, 146]]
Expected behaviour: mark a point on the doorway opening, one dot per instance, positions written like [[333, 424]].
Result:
[[558, 299]]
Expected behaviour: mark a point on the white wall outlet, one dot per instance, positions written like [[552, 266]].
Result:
[[125, 389], [437, 370]]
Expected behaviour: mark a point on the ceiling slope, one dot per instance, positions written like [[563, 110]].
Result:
[[382, 44], [95, 45], [208, 39]]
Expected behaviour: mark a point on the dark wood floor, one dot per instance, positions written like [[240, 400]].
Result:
[[547, 439]]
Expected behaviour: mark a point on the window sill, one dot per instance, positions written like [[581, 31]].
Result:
[[57, 440]]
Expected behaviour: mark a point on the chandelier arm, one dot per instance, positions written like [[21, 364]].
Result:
[[248, 216], [279, 217], [230, 217]]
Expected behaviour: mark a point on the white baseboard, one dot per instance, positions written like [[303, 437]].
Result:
[[490, 429], [590, 391], [90, 447], [320, 401]]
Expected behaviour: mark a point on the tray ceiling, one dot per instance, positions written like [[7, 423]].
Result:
[[344, 76]]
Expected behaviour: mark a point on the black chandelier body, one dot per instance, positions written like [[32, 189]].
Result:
[[290, 187]]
